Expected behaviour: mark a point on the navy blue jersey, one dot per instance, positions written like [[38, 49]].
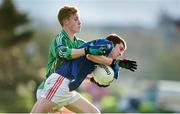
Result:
[[77, 69]]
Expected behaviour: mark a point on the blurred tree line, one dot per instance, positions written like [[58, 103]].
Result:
[[15, 66], [20, 66]]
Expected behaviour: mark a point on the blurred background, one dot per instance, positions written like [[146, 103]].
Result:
[[150, 27]]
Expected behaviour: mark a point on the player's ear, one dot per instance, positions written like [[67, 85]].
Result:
[[65, 21]]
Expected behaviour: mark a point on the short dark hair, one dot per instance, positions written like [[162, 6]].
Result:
[[116, 39], [66, 12]]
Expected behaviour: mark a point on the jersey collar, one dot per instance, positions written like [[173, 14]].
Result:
[[66, 35]]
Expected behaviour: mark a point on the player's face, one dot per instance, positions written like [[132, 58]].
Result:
[[74, 24], [117, 51]]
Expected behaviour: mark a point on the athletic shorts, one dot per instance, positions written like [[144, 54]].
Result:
[[38, 94], [56, 90]]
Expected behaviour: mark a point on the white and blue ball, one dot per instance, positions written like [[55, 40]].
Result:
[[103, 74]]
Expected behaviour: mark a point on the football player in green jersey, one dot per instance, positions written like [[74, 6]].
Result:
[[64, 47]]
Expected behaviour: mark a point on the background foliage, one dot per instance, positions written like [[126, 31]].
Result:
[[24, 50]]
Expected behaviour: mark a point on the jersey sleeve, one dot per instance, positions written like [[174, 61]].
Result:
[[61, 48]]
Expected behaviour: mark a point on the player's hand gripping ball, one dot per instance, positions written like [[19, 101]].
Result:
[[103, 75]]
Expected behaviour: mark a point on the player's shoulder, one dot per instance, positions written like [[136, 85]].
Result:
[[79, 39], [60, 38], [60, 35]]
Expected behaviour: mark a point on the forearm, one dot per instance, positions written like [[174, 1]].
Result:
[[75, 53], [100, 59], [67, 53]]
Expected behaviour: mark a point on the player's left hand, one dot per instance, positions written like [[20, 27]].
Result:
[[128, 64], [93, 81], [97, 49]]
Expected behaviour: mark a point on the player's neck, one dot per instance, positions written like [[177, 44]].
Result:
[[70, 34]]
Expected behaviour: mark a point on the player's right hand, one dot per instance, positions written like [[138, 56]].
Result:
[[95, 49]]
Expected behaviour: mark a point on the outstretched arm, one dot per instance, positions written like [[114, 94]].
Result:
[[60, 49], [87, 48]]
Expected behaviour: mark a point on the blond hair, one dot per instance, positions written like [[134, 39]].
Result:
[[66, 12]]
